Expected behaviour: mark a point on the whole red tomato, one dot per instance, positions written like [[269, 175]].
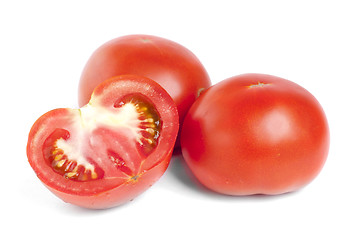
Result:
[[109, 151], [255, 134], [171, 65]]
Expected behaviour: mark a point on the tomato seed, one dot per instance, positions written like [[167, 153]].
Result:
[[60, 163]]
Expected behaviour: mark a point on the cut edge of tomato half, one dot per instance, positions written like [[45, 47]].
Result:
[[57, 139]]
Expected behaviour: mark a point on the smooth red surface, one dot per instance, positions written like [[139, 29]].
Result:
[[255, 134], [168, 63], [117, 182]]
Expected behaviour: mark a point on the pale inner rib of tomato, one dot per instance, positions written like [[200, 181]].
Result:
[[125, 116], [105, 141]]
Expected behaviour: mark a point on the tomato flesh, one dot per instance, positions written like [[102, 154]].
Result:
[[118, 137]]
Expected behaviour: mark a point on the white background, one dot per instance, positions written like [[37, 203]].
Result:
[[44, 46]]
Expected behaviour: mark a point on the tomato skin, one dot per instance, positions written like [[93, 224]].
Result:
[[106, 182], [119, 195], [255, 134], [168, 63]]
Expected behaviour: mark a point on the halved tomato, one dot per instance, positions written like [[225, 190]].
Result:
[[110, 150]]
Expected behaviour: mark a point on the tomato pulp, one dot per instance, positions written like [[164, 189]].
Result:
[[110, 150], [168, 63], [255, 134]]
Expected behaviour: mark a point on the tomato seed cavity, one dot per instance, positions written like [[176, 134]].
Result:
[[150, 122], [60, 163], [119, 162]]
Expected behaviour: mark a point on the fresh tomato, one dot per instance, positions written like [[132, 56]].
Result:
[[255, 134], [168, 63], [110, 150]]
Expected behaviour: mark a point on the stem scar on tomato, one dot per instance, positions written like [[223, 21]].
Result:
[[258, 85], [145, 40], [199, 92]]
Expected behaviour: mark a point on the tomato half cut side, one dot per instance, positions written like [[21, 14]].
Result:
[[110, 150]]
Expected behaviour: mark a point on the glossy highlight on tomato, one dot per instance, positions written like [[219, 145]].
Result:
[[168, 63], [110, 150], [255, 134]]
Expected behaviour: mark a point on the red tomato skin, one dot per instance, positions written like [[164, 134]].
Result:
[[114, 194], [255, 134], [168, 63], [119, 195]]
